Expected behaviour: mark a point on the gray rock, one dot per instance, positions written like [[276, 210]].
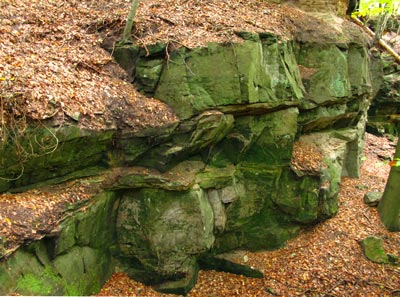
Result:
[[218, 209], [372, 198]]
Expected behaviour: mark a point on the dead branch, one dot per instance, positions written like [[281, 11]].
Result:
[[381, 42]]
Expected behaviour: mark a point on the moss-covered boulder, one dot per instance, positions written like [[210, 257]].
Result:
[[266, 139], [372, 247], [163, 230], [76, 260], [163, 151], [259, 70]]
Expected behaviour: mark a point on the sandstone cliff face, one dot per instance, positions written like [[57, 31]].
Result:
[[267, 128]]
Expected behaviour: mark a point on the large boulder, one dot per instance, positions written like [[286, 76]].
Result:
[[164, 230], [259, 70]]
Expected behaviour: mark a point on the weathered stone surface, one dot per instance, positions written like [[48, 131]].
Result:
[[148, 74], [341, 147], [255, 71], [372, 198], [222, 264], [75, 262], [266, 139], [179, 178], [181, 286], [47, 153], [359, 74], [330, 82], [81, 271], [126, 56], [298, 197], [335, 99], [189, 138], [218, 210], [222, 178], [216, 176], [163, 230], [23, 273], [373, 249]]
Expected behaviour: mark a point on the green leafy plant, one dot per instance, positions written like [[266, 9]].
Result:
[[378, 7]]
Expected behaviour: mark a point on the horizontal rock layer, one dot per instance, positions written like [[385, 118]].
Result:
[[267, 129]]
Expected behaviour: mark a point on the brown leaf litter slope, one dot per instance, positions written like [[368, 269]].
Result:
[[33, 214], [52, 64], [323, 261]]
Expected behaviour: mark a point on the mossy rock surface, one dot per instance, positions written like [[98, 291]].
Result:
[[373, 249], [266, 139], [46, 153], [219, 179], [77, 261], [330, 81], [163, 229], [255, 71]]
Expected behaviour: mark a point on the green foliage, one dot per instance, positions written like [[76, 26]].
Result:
[[378, 7]]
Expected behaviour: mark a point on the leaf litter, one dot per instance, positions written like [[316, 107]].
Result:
[[33, 214]]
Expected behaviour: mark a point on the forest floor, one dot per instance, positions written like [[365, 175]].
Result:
[[325, 260]]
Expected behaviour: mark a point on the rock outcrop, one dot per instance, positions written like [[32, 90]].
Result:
[[268, 127], [383, 116]]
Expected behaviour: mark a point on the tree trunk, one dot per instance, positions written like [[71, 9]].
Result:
[[127, 35], [389, 207]]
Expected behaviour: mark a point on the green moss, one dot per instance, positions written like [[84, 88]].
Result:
[[373, 249], [45, 283], [83, 270], [173, 87], [216, 177], [266, 139], [147, 74], [47, 154], [328, 204], [254, 71], [96, 227], [164, 229], [358, 70], [191, 137], [33, 284], [330, 83], [7, 281], [298, 197]]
